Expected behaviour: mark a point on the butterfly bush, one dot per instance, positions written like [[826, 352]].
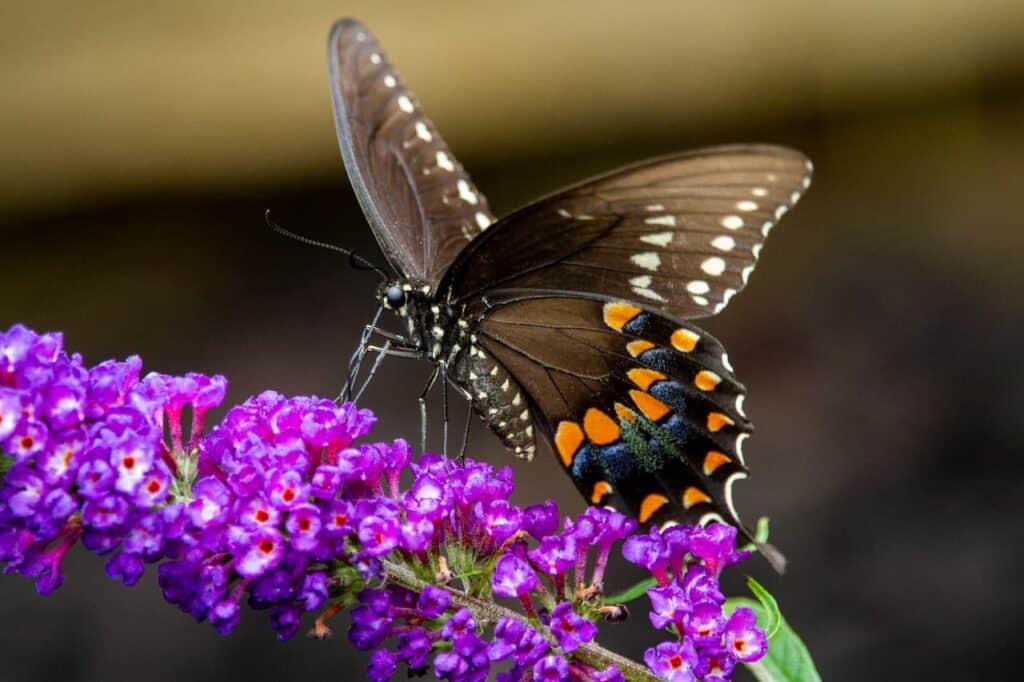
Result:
[[280, 507]]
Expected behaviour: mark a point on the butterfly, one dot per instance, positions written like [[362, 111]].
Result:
[[567, 322]]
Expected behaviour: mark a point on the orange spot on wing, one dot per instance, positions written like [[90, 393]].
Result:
[[706, 381], [694, 496], [600, 428], [717, 420], [617, 315], [601, 488], [643, 377], [713, 460], [651, 504], [652, 408], [637, 347], [568, 439], [684, 340], [625, 414]]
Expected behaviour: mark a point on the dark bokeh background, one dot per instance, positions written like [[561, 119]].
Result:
[[880, 338]]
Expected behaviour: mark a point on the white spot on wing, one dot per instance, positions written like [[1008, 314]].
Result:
[[658, 238], [699, 300], [422, 132], [655, 207], [565, 214], [669, 220], [746, 206], [466, 193], [650, 293], [641, 281], [445, 162], [746, 273], [724, 243], [375, 58], [390, 81], [726, 297], [756, 251], [483, 221], [767, 227], [781, 211], [739, 404], [728, 491], [713, 266], [725, 362], [759, 192], [405, 104], [648, 260], [732, 222], [739, 445], [698, 286]]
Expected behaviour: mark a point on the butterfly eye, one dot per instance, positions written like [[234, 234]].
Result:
[[394, 297]]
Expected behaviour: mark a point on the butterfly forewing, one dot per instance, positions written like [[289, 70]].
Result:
[[420, 202], [680, 234]]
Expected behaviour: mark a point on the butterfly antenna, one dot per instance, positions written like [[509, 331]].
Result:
[[355, 260]]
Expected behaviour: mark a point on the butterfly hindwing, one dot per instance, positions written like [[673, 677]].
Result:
[[679, 234], [644, 413], [419, 200]]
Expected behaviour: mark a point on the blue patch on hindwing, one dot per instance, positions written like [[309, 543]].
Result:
[[637, 325]]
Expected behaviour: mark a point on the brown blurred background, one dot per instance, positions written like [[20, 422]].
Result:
[[880, 338]]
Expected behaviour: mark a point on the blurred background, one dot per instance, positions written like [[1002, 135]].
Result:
[[880, 339]]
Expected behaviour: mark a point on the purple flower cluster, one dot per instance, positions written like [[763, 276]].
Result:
[[278, 506], [687, 562], [263, 518], [84, 457]]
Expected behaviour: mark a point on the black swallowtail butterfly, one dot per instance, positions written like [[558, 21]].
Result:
[[567, 321]]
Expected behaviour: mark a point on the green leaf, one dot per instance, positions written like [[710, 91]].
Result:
[[760, 535], [773, 618], [631, 593], [761, 532], [787, 659]]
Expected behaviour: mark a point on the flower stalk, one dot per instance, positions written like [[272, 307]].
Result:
[[592, 653]]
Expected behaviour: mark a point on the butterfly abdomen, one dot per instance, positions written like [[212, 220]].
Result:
[[497, 398]]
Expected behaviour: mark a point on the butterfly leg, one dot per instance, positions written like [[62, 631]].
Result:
[[423, 407], [357, 357], [444, 409], [388, 349], [381, 353], [399, 347], [465, 434]]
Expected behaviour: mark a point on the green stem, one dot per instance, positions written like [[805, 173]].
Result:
[[592, 654]]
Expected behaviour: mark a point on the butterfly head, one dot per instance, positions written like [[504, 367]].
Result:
[[402, 296], [394, 297]]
